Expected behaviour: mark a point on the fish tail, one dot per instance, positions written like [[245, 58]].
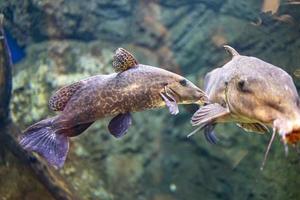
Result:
[[48, 141]]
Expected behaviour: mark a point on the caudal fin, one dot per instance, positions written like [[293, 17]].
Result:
[[43, 138]]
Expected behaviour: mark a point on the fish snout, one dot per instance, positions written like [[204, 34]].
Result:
[[189, 94], [198, 96], [203, 101]]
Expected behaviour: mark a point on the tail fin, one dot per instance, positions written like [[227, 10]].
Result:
[[50, 139], [43, 138]]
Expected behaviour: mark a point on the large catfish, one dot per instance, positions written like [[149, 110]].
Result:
[[253, 94]]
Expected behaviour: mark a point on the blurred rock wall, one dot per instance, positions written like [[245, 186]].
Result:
[[67, 40]]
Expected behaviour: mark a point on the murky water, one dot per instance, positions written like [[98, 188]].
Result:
[[57, 42]]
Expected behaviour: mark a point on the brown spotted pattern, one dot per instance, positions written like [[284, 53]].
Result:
[[135, 89], [123, 60], [60, 98]]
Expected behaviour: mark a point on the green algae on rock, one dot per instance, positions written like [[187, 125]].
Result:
[[58, 64]]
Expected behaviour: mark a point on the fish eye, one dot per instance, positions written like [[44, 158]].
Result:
[[183, 82], [241, 85]]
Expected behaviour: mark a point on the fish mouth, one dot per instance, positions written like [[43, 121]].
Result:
[[187, 97]]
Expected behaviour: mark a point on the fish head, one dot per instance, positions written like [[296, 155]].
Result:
[[184, 91], [269, 97], [172, 85]]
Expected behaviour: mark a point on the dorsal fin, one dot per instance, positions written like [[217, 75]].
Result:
[[60, 98], [123, 60], [231, 50]]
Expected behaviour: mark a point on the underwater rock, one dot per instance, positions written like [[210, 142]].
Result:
[[59, 19], [53, 65], [193, 31], [14, 181], [180, 26]]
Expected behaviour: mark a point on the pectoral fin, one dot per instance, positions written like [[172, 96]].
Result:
[[209, 132], [208, 113], [119, 125], [254, 127], [170, 103]]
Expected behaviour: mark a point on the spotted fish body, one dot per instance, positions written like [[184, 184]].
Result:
[[135, 87], [133, 90]]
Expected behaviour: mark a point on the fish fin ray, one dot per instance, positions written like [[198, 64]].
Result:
[[43, 139], [123, 60], [208, 113], [254, 127], [194, 131], [60, 98], [170, 103], [118, 126]]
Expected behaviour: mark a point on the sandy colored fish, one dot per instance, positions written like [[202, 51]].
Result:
[[135, 87], [253, 94]]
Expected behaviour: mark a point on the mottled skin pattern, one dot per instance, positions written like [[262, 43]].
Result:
[[135, 89], [255, 91], [58, 101], [123, 60]]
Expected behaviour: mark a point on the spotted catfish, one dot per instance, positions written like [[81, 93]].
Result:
[[134, 87]]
